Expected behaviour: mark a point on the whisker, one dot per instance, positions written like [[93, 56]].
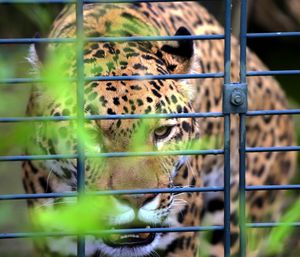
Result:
[[179, 194], [154, 254], [51, 203], [178, 204], [185, 186], [180, 201], [48, 177]]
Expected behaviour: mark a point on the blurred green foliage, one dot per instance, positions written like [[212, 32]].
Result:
[[275, 243], [89, 213]]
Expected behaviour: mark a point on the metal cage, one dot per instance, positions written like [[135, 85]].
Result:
[[229, 107]]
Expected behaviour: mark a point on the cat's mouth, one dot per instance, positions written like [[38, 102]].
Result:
[[130, 239]]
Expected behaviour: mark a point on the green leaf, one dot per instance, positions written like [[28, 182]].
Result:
[[90, 213]]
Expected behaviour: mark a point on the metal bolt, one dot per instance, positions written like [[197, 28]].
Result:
[[237, 97]]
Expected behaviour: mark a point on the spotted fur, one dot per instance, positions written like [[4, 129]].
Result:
[[157, 96]]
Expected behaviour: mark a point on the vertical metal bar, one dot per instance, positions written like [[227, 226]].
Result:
[[243, 41], [80, 113], [242, 186], [227, 79], [227, 40], [242, 139], [227, 185]]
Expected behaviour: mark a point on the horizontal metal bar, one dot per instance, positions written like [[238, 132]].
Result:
[[36, 119], [37, 157], [273, 112], [109, 39], [156, 153], [28, 81], [272, 149], [156, 116], [110, 155], [273, 72], [36, 1], [118, 78], [139, 38], [37, 196], [155, 38], [85, 1], [153, 77], [5, 41], [273, 34], [273, 187], [112, 192], [272, 224], [113, 117], [115, 231], [144, 230]]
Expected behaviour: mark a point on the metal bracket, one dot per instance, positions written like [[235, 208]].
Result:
[[235, 98]]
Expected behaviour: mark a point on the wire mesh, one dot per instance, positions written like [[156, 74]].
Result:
[[80, 118]]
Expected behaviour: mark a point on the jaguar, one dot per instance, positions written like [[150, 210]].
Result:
[[152, 95]]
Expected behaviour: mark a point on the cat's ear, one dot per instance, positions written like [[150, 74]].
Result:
[[179, 53], [36, 55]]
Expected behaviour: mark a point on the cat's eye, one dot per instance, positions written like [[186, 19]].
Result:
[[163, 132]]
